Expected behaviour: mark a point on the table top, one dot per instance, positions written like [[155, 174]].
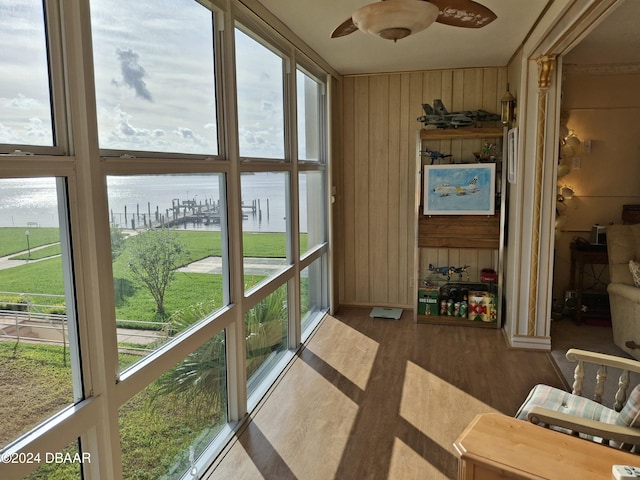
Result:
[[530, 451]]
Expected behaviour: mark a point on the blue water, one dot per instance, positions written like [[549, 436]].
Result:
[[33, 202]]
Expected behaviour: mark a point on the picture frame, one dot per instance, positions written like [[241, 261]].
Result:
[[512, 154], [459, 189]]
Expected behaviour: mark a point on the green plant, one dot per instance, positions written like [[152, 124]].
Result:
[[199, 381], [266, 328], [153, 258], [16, 303]]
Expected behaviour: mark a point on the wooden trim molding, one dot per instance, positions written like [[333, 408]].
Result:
[[546, 67], [608, 69]]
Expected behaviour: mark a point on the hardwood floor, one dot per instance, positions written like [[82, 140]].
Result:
[[381, 399]]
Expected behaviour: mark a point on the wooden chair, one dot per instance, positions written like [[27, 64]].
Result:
[[617, 426]]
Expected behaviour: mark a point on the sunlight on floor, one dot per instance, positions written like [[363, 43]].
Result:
[[346, 350], [328, 415], [440, 400], [406, 464]]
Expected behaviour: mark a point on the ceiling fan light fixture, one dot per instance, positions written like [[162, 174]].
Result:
[[395, 19]]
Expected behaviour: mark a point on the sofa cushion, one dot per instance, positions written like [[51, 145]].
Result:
[[634, 268], [630, 413], [623, 244]]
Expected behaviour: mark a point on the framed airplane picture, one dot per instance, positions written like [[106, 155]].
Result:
[[459, 189]]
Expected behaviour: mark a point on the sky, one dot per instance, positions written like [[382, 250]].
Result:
[[154, 80]]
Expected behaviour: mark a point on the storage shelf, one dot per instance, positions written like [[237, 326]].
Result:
[[459, 231], [479, 235], [461, 133], [454, 321]]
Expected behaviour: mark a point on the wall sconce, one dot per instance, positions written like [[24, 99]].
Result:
[[570, 145], [508, 105], [567, 193]]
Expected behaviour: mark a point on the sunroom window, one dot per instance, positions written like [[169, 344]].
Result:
[[25, 99], [39, 354], [170, 267], [260, 81], [155, 81]]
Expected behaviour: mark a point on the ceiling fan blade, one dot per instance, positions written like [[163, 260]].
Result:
[[345, 28], [463, 13]]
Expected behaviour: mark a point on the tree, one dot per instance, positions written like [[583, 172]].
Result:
[[153, 258], [118, 239]]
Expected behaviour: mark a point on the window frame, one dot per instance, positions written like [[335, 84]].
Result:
[[77, 158]]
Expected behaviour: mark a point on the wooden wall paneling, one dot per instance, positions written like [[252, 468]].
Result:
[[472, 88], [492, 90], [411, 109], [347, 248], [431, 87], [377, 238], [457, 91], [396, 207], [362, 189], [446, 89], [416, 97], [380, 196]]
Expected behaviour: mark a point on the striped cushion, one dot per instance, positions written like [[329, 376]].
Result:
[[565, 402], [630, 413]]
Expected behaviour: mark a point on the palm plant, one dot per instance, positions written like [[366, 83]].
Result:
[[199, 381]]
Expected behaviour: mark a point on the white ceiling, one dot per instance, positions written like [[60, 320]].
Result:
[[616, 40], [438, 47]]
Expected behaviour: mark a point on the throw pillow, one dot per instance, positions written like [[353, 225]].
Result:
[[635, 272]]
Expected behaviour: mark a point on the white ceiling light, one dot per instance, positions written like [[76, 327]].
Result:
[[395, 19]]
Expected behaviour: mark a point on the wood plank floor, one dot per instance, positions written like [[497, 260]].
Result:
[[381, 399]]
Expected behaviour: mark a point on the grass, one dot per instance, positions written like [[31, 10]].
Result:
[[37, 254], [35, 383], [133, 302], [14, 240]]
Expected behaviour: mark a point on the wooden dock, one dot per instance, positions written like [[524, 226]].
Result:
[[181, 213]]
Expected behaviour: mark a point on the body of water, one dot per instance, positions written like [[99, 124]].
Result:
[[31, 202]]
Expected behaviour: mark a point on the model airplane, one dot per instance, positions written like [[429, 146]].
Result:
[[445, 189], [433, 155], [448, 271], [439, 117]]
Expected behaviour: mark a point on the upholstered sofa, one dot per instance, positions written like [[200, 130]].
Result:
[[623, 245]]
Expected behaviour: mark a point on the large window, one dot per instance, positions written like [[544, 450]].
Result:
[[167, 426], [266, 327], [39, 358], [265, 226], [155, 81], [310, 116], [170, 268], [25, 101], [151, 273], [312, 215], [260, 81]]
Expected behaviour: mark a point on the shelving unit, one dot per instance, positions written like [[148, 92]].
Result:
[[479, 236]]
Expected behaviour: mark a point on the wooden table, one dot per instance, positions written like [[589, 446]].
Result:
[[496, 446], [581, 256]]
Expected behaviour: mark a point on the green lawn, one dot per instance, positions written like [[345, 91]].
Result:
[[154, 431], [153, 434], [14, 240]]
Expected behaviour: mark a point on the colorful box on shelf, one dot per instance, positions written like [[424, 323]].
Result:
[[428, 300], [482, 307]]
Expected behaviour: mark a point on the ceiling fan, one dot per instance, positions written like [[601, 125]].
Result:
[[396, 19]]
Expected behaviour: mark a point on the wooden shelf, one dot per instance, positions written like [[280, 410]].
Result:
[[461, 133], [454, 321], [459, 231]]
